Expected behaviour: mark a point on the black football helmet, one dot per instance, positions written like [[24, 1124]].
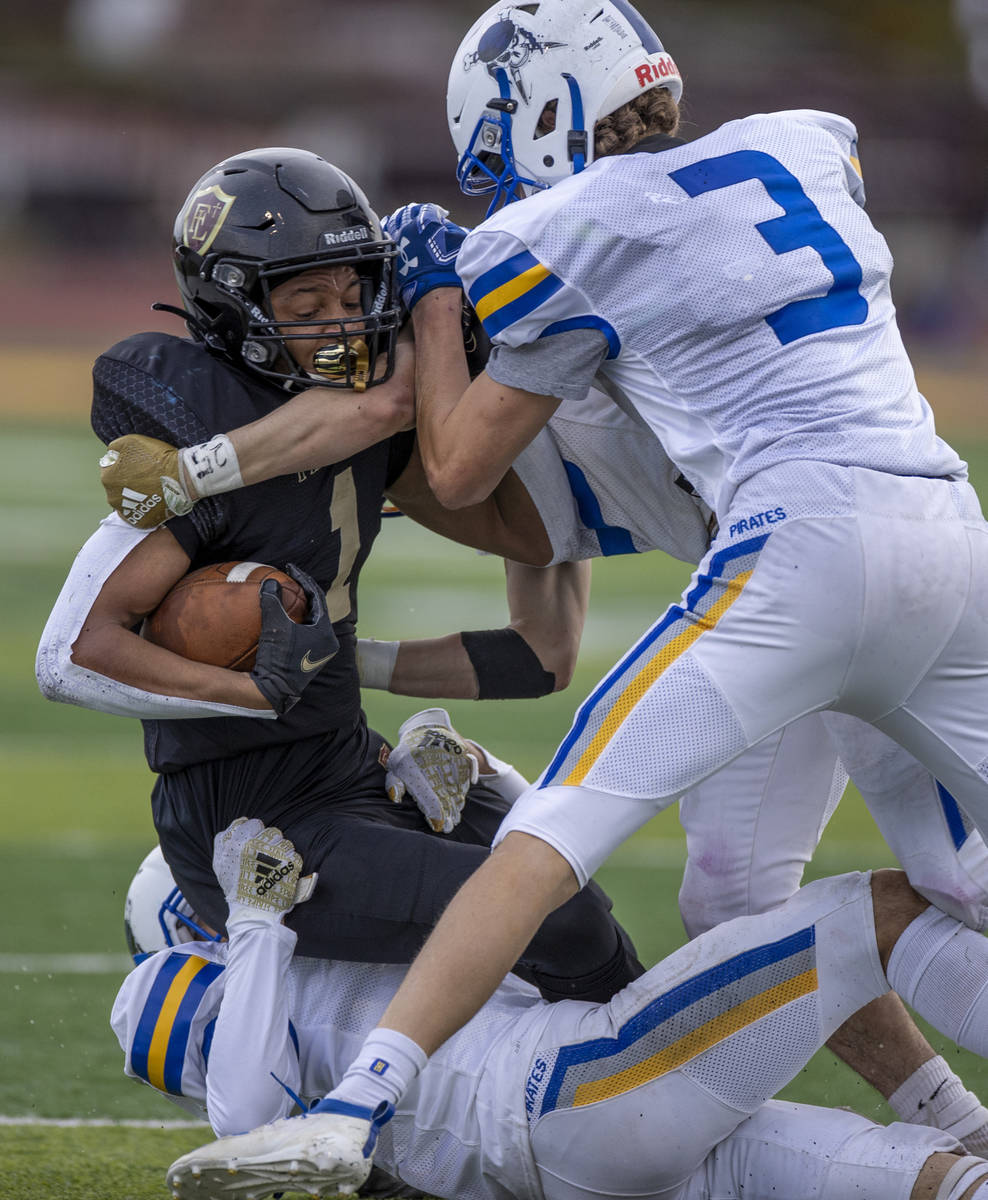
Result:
[[256, 220]]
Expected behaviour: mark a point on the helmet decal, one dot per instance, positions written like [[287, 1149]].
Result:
[[203, 217], [508, 46]]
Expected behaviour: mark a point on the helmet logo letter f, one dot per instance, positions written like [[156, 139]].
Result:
[[203, 218]]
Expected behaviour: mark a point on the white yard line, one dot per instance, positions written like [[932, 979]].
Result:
[[65, 964], [101, 1122]]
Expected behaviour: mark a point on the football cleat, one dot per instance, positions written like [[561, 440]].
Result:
[[326, 1152]]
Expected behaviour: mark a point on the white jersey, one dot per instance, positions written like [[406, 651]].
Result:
[[462, 1125], [554, 1101], [742, 292], [603, 485]]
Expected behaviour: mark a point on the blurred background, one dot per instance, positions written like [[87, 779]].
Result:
[[113, 108]]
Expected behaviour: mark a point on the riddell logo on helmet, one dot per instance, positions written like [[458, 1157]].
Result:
[[650, 73], [357, 234]]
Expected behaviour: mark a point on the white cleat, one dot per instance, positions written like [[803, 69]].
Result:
[[321, 1154]]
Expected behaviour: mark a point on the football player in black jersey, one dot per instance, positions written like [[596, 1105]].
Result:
[[288, 286]]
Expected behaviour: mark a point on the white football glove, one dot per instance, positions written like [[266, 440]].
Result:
[[258, 869], [433, 765]]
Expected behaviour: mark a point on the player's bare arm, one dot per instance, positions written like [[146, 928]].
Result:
[[108, 666], [506, 523], [469, 433], [547, 609], [315, 429], [108, 644]]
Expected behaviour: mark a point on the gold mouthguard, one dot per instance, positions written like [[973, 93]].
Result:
[[340, 361]]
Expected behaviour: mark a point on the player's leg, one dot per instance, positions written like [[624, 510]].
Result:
[[921, 675], [637, 1094], [802, 1150], [754, 645], [675, 1062], [752, 827], [933, 841], [384, 875]]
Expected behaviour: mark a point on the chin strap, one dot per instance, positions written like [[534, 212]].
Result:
[[198, 328], [576, 139]]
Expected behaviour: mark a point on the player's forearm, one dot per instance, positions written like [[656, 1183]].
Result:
[[507, 523], [242, 1090], [441, 378], [469, 432], [113, 651], [434, 668], [548, 608], [323, 426]]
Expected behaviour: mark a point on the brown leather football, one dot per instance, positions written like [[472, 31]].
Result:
[[213, 615]]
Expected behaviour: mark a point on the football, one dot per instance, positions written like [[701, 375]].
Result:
[[213, 615]]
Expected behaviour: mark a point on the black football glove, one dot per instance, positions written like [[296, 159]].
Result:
[[290, 654]]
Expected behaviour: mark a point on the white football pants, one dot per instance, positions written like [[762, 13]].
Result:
[[661, 1094], [870, 597]]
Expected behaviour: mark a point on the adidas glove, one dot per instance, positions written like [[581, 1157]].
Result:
[[428, 243], [433, 765], [258, 869], [143, 481]]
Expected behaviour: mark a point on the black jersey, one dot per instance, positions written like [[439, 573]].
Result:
[[325, 521]]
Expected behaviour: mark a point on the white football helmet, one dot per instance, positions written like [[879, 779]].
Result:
[[589, 56], [156, 914]]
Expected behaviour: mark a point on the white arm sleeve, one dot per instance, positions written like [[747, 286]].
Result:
[[58, 676], [506, 781], [251, 1044]]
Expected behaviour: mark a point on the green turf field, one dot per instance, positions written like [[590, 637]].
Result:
[[75, 823]]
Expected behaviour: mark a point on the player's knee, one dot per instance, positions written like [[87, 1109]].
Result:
[[896, 904]]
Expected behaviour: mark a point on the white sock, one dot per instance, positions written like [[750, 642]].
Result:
[[933, 1095], [940, 968], [387, 1064]]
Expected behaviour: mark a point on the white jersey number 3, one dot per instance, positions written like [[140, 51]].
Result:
[[800, 226]]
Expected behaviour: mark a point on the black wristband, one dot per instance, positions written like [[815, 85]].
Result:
[[507, 667]]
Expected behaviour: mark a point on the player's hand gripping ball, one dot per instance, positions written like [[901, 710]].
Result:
[[428, 243], [213, 615], [250, 617]]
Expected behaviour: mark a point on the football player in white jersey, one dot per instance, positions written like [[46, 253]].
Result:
[[593, 485], [731, 293], [664, 1091]]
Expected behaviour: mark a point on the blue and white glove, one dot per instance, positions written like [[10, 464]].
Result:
[[428, 243], [434, 765]]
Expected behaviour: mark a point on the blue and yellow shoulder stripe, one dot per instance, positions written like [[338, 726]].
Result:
[[514, 289], [680, 1024], [161, 1040]]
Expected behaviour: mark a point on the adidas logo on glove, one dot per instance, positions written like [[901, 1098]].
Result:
[[269, 873], [136, 505]]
